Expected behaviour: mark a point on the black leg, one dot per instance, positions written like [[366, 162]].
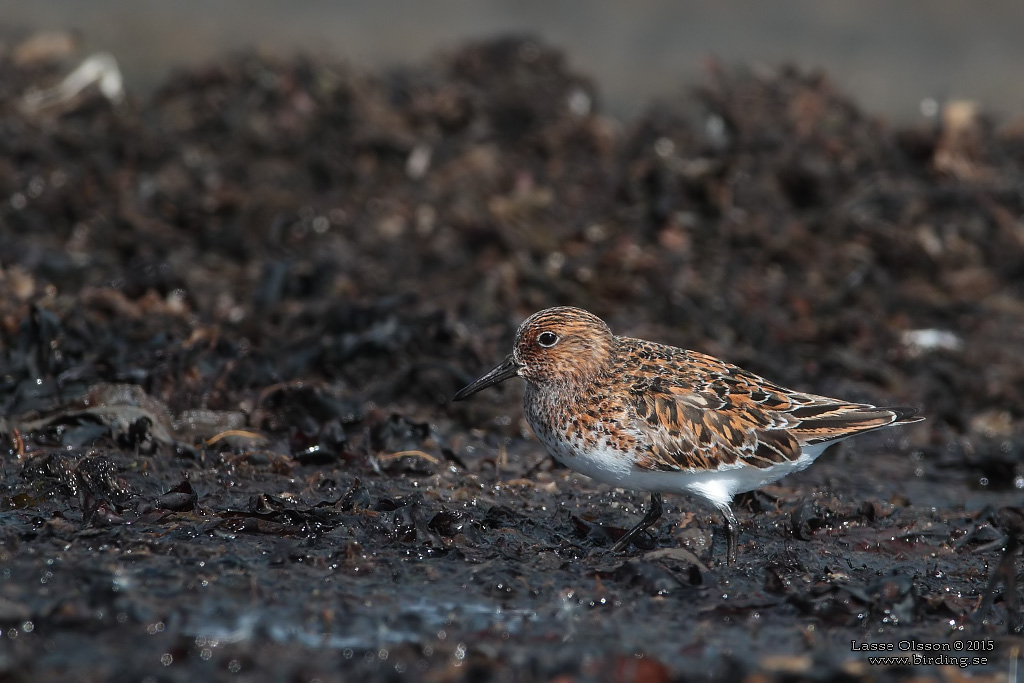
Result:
[[652, 516], [732, 532]]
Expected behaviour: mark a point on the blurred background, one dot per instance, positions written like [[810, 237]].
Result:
[[888, 56], [233, 316]]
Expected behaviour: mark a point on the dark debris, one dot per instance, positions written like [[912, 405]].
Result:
[[232, 317]]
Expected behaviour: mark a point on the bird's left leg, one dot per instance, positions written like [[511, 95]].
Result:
[[652, 516]]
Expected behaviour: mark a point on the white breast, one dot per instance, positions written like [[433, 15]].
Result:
[[603, 463]]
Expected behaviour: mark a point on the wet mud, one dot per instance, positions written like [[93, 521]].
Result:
[[233, 316]]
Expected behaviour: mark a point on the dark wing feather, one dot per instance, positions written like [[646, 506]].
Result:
[[704, 413]]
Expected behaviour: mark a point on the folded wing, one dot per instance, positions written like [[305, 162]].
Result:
[[719, 415]]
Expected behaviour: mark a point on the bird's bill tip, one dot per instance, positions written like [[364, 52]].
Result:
[[508, 368]]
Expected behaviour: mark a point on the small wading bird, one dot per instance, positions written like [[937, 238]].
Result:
[[645, 416]]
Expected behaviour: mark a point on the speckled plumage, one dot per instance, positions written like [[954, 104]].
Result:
[[646, 416]]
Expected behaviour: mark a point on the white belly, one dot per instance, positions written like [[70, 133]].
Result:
[[610, 466]]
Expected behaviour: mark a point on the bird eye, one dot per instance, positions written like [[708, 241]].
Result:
[[547, 339]]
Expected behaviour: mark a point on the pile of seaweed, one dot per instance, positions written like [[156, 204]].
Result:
[[232, 317]]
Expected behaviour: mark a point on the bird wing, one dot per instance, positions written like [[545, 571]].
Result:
[[709, 414]]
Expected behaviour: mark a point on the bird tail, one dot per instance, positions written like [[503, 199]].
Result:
[[837, 421]]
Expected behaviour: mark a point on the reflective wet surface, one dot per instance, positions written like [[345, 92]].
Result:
[[233, 315]]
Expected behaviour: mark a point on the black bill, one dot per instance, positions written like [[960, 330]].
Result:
[[508, 368]]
